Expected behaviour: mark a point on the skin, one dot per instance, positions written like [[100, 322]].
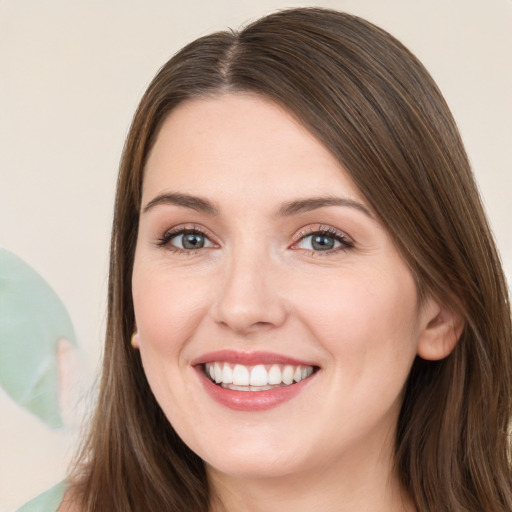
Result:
[[258, 285]]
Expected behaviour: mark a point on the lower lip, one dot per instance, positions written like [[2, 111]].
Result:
[[252, 401]]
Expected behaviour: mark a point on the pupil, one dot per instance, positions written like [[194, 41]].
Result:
[[322, 242], [193, 241]]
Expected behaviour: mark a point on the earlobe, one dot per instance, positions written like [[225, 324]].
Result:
[[135, 340], [441, 333]]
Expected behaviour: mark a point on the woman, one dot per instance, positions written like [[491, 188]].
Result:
[[316, 309]]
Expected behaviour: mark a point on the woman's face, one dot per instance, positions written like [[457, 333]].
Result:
[[259, 265]]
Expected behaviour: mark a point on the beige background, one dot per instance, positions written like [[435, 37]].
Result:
[[71, 74]]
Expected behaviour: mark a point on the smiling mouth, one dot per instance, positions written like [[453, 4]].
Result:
[[260, 377]]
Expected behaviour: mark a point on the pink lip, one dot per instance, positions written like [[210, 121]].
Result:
[[248, 358], [252, 401], [249, 401]]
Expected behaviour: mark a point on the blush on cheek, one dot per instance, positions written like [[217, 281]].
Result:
[[166, 320], [361, 317]]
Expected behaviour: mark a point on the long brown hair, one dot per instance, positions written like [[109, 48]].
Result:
[[375, 107]]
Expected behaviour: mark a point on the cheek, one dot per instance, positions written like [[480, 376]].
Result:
[[362, 317], [368, 326], [167, 312], [167, 309]]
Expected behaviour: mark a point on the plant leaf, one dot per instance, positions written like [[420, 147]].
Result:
[[48, 501], [32, 321]]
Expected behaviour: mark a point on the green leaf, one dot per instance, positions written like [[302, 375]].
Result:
[[48, 501], [32, 321]]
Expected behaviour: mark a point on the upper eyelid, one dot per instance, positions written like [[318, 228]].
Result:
[[179, 229], [320, 228], [182, 228], [346, 242]]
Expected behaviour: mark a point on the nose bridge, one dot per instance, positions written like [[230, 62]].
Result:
[[248, 298]]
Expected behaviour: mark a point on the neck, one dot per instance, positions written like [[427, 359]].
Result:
[[359, 482]]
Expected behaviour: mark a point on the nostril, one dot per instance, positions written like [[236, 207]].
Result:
[[245, 327]]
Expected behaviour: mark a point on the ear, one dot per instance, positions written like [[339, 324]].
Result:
[[135, 339], [441, 332]]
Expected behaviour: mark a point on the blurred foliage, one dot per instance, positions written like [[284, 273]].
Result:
[[32, 321], [48, 501]]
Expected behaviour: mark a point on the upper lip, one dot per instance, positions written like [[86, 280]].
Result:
[[248, 358]]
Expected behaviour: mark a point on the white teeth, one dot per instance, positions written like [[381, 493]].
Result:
[[218, 372], [240, 375], [274, 375], [288, 372], [227, 374], [259, 376], [256, 378], [246, 388]]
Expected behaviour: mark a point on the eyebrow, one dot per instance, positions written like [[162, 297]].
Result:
[[287, 209], [314, 203], [188, 201]]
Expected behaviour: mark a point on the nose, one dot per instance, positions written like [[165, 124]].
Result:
[[249, 298]]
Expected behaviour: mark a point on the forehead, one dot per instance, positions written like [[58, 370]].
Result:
[[240, 144]]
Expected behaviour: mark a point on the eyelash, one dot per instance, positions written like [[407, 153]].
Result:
[[327, 231], [165, 240], [338, 236]]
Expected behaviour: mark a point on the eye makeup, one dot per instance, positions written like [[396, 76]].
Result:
[[188, 238], [322, 240], [315, 239]]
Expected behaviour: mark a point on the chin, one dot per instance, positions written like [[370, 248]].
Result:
[[263, 455], [256, 466]]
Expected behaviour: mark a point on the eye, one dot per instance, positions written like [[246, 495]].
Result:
[[189, 241], [185, 240], [323, 240]]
